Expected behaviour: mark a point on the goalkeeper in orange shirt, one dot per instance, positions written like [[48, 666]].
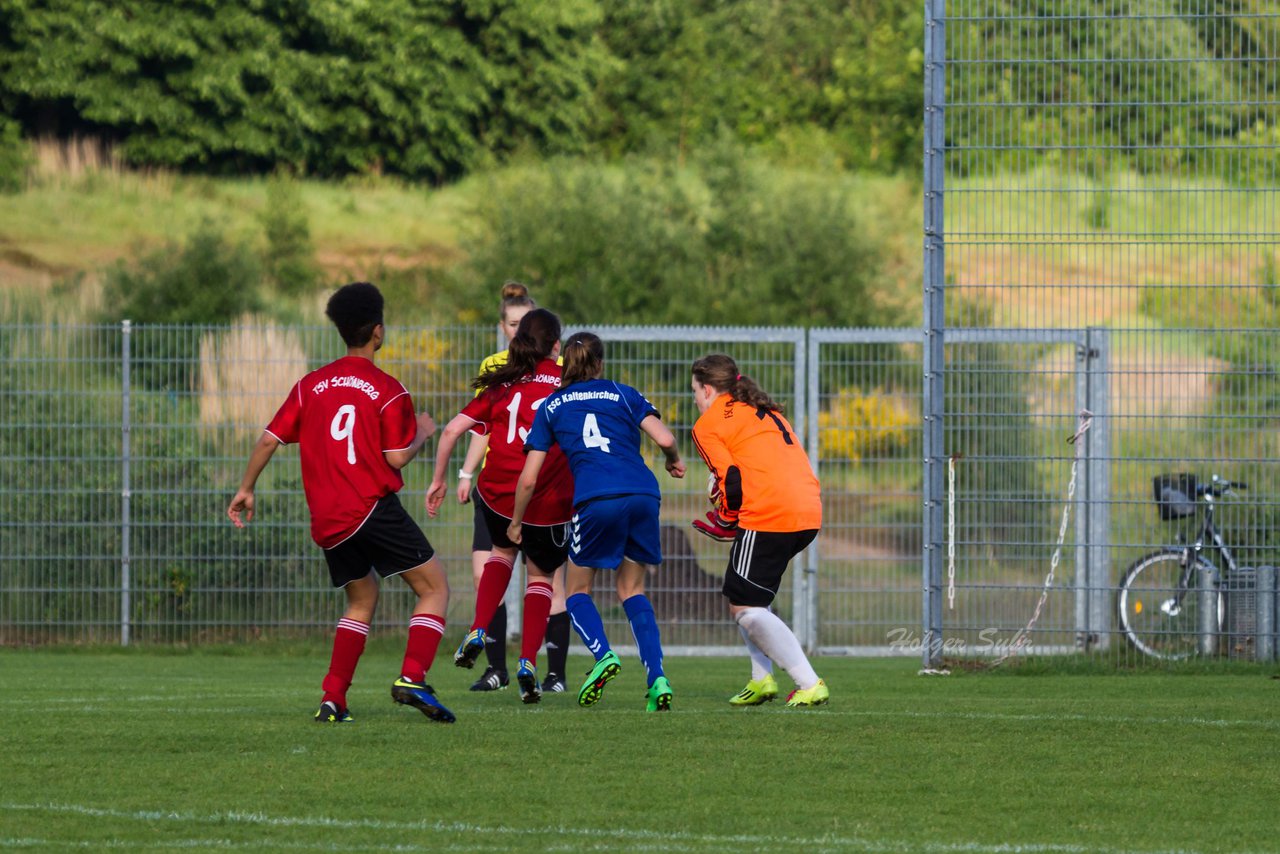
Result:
[[767, 504]]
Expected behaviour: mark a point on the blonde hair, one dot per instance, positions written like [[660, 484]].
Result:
[[515, 295]]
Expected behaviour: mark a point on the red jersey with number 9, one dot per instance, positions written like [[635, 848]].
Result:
[[343, 416], [505, 412]]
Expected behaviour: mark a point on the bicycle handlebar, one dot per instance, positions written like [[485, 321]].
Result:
[[1219, 487]]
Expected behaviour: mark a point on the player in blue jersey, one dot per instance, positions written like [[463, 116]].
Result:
[[597, 423]]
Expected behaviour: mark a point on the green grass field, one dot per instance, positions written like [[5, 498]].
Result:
[[162, 750]]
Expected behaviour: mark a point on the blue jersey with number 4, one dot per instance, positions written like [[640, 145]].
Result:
[[597, 425]]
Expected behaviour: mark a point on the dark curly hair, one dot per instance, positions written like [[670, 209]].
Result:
[[355, 309]]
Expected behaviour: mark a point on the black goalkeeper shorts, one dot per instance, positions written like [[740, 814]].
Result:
[[757, 561]]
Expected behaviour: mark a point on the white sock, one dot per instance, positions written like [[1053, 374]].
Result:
[[761, 666], [777, 641]]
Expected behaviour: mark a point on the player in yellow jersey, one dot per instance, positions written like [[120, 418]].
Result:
[[515, 304], [767, 503]]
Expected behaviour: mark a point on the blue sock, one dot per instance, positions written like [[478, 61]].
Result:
[[586, 621], [644, 625]]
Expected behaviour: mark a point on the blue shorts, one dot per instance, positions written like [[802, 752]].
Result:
[[605, 530]]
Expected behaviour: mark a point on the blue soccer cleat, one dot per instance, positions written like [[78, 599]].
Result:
[[527, 677], [470, 648], [422, 697]]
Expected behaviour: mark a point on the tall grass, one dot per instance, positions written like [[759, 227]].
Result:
[[239, 391]]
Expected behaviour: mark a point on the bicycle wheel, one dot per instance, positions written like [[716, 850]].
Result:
[[1159, 604]]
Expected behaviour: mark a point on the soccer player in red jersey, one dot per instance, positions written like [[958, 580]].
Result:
[[510, 395], [356, 429]]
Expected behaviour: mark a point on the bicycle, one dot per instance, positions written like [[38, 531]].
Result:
[[1162, 596]]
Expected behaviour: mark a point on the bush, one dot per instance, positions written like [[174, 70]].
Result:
[[15, 157], [726, 241], [289, 262], [208, 280]]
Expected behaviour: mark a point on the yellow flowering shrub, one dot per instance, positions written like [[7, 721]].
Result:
[[855, 425]]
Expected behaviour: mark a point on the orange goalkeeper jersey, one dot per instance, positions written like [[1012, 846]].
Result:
[[762, 472]]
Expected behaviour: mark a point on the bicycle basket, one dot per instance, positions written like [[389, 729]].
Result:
[[1175, 495]]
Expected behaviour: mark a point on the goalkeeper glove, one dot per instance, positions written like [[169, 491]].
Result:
[[713, 490], [717, 528]]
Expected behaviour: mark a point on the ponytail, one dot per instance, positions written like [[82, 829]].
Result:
[[583, 356], [721, 373], [535, 340]]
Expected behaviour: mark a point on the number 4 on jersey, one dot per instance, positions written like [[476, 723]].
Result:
[[591, 435]]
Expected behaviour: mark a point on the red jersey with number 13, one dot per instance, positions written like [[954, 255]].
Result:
[[343, 416], [505, 413]]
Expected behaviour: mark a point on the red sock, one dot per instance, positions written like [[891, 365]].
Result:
[[348, 644], [493, 586], [537, 607], [425, 631]]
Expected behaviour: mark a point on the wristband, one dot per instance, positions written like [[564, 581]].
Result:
[[465, 475]]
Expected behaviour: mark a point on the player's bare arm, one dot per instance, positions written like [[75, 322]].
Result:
[[661, 434], [524, 491], [243, 500], [471, 465], [453, 431], [426, 429]]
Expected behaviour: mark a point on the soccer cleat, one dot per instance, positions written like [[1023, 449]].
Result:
[[757, 692], [422, 697], [659, 697], [815, 696], [593, 689], [527, 677], [470, 648], [331, 713], [553, 684], [491, 680]]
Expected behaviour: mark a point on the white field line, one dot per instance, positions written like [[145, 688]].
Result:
[[634, 839], [94, 704]]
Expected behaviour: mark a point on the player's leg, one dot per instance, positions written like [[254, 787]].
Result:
[[395, 545], [643, 551], [494, 580], [557, 636], [348, 564], [593, 542], [757, 562], [348, 645], [495, 641], [426, 629], [537, 607], [586, 620], [644, 627], [545, 548]]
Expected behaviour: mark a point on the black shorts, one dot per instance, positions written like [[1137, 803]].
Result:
[[480, 539], [546, 546], [389, 543], [757, 561]]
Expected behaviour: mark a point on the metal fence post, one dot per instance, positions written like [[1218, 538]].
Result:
[[934, 323], [1093, 514], [806, 415], [1265, 596], [1208, 595], [126, 490]]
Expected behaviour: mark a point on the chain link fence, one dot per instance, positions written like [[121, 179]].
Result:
[[1114, 170], [1100, 228]]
